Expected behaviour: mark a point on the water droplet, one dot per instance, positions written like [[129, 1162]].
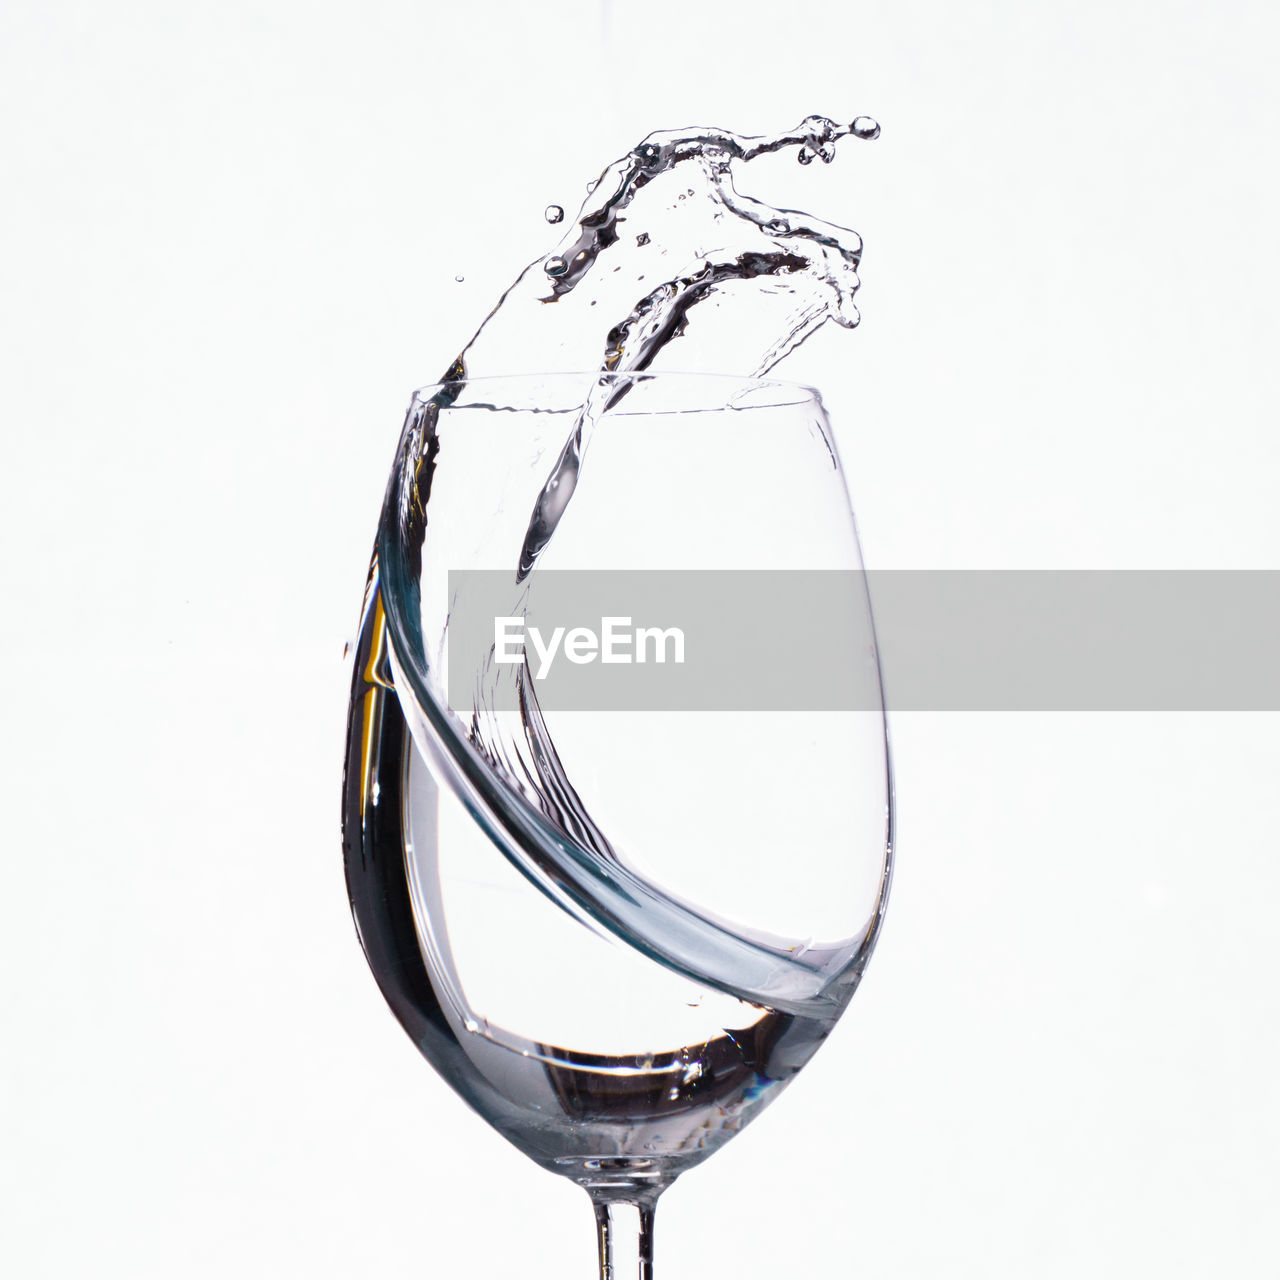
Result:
[[459, 279], [804, 155], [555, 265], [346, 648], [865, 127], [553, 213], [591, 186], [642, 238], [827, 152], [776, 226]]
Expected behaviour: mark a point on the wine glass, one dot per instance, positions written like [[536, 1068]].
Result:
[[617, 885]]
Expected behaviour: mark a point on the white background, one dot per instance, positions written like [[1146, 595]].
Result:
[[229, 234]]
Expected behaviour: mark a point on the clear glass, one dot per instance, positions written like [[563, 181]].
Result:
[[618, 925]]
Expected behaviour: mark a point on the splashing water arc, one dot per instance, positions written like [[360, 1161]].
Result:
[[665, 255], [666, 266]]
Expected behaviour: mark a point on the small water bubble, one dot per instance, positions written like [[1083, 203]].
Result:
[[553, 213], [555, 266], [865, 127], [459, 279], [346, 648], [591, 186], [777, 226], [642, 238]]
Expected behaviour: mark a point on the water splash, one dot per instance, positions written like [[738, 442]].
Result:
[[667, 264], [686, 278]]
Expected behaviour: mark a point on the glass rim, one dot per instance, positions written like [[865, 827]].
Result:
[[800, 392]]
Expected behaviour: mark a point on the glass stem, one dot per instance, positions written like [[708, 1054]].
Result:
[[624, 1236]]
